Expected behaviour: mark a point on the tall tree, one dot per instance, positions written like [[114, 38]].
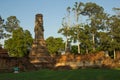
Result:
[[12, 24], [96, 19], [114, 24], [78, 9], [65, 30]]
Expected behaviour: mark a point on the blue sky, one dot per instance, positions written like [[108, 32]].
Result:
[[53, 11]]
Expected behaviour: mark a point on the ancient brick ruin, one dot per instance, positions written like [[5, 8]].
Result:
[[93, 60], [39, 55], [7, 63]]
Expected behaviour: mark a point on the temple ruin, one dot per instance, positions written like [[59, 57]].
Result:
[[39, 55]]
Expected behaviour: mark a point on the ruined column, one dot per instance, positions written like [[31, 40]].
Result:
[[39, 53], [39, 30]]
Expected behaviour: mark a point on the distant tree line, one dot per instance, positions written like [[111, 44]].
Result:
[[92, 28]]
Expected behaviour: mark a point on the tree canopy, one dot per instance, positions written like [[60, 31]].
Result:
[[54, 44], [99, 31], [19, 44]]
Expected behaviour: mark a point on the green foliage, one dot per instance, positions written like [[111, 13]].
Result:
[[78, 10], [101, 32], [115, 32], [54, 44], [19, 44], [97, 18], [74, 49], [11, 24], [6, 27], [96, 21], [65, 30]]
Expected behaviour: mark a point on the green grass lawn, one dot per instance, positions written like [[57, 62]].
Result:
[[80, 74]]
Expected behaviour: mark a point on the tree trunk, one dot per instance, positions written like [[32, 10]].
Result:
[[93, 37], [66, 43], [78, 48], [86, 50], [114, 54]]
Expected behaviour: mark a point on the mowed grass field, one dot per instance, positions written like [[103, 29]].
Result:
[[80, 74]]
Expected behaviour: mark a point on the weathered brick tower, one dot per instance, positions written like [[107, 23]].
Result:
[[39, 55]]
